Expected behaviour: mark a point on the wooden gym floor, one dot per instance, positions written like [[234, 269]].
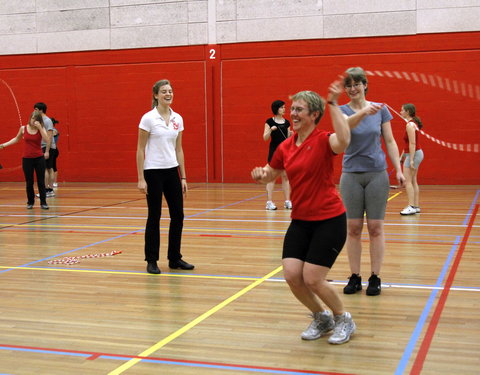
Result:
[[233, 314]]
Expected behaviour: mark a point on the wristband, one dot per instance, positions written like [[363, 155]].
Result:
[[184, 178], [332, 102]]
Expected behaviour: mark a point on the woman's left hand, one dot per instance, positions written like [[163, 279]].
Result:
[[400, 179], [184, 188]]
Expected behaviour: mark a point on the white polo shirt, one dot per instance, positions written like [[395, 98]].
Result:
[[160, 149]]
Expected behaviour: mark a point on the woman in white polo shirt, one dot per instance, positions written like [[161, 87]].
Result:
[[161, 171]]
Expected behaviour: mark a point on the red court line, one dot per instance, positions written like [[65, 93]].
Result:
[[95, 355], [427, 340]]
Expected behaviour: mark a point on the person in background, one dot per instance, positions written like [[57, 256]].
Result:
[[411, 164], [364, 183], [49, 148], [161, 172], [318, 229], [56, 136], [33, 159], [277, 129]]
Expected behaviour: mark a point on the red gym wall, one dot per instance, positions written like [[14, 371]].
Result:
[[224, 94]]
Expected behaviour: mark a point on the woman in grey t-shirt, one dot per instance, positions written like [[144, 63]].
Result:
[[364, 184]]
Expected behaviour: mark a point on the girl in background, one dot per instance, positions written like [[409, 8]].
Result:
[[411, 164], [33, 159]]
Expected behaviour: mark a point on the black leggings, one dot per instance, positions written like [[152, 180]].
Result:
[[38, 165], [163, 182]]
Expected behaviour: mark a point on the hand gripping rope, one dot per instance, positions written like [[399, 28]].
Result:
[[460, 88], [74, 260]]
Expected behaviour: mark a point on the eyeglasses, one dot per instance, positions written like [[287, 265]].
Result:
[[356, 85], [297, 109]]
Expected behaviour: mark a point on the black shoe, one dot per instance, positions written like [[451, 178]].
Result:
[[153, 268], [44, 206], [374, 285], [29, 206], [180, 264], [354, 284]]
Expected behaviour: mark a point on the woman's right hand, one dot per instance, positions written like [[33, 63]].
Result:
[[142, 186]]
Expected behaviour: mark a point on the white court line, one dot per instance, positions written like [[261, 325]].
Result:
[[402, 286]]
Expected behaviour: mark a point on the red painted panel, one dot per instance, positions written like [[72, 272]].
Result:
[[99, 97], [250, 85]]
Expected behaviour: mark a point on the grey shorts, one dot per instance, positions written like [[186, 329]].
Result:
[[365, 192], [417, 159]]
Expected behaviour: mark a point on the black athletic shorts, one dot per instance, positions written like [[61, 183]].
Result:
[[316, 242]]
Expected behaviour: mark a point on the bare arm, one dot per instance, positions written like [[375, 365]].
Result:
[[268, 131], [14, 139], [181, 162], [392, 150], [265, 174], [339, 140], [141, 144]]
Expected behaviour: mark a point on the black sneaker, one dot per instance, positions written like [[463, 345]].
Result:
[[354, 284], [374, 285], [180, 264], [153, 268]]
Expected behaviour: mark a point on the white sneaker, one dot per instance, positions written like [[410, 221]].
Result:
[[417, 209], [344, 328], [55, 185], [288, 205], [271, 206], [50, 193], [409, 210], [322, 323]]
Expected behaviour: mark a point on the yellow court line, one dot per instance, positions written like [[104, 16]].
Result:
[[192, 324], [131, 273], [394, 195]]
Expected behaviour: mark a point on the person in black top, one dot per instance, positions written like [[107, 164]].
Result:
[[277, 129]]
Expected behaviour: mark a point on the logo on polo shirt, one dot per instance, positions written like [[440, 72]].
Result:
[[175, 125]]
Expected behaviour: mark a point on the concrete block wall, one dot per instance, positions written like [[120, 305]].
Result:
[[43, 26]]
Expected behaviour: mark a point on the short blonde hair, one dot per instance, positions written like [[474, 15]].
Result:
[[314, 101]]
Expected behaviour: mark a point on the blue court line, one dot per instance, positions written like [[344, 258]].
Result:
[[71, 251], [407, 354], [165, 361], [119, 236]]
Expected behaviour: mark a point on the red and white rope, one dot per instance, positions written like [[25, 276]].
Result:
[[74, 260], [454, 146], [459, 88]]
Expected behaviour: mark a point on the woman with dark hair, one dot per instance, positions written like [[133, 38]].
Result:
[[161, 171], [277, 129], [317, 232], [364, 184], [411, 164], [33, 159]]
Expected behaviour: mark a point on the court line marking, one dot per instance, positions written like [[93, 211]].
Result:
[[179, 362], [409, 349], [432, 326], [193, 323], [233, 277]]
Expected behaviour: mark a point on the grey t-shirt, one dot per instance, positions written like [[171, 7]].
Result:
[[365, 153], [48, 127]]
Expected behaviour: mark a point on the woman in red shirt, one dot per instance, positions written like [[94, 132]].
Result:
[[318, 229], [413, 154], [33, 159]]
